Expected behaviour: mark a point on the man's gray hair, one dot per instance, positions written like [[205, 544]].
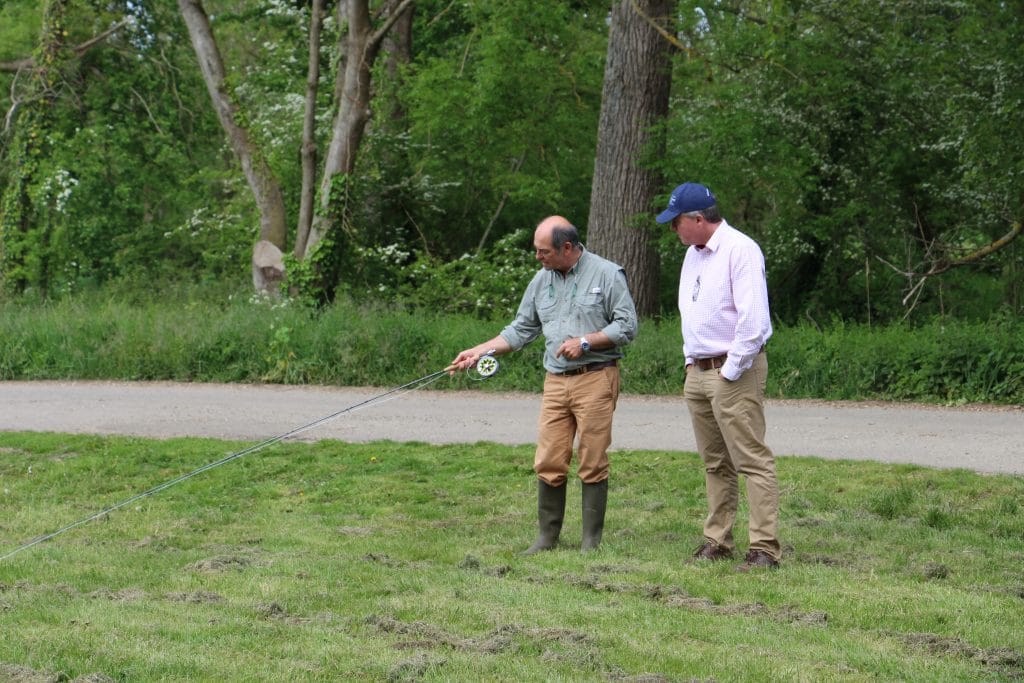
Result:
[[564, 233], [711, 214]]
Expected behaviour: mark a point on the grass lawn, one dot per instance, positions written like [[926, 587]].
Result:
[[332, 561]]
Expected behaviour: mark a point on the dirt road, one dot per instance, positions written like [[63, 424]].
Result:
[[977, 438]]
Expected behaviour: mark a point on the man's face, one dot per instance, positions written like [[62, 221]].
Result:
[[690, 229], [549, 257]]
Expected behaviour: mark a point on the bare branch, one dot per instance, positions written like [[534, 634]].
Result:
[[423, 238], [84, 47], [741, 13], [17, 65], [29, 63], [905, 273], [15, 102], [936, 266], [149, 113], [914, 292], [379, 34], [516, 165], [978, 254], [441, 13]]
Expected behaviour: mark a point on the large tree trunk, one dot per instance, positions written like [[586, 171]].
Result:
[[308, 194], [361, 47], [635, 96], [262, 182]]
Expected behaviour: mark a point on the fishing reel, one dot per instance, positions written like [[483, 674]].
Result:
[[487, 365]]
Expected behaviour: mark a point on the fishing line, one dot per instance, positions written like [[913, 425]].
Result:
[[379, 399]]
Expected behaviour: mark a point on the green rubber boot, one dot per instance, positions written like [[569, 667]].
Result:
[[550, 513], [595, 500]]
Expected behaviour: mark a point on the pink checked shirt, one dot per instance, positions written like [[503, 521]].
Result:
[[723, 301]]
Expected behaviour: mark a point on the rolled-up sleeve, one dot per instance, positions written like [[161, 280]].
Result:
[[622, 326], [526, 326]]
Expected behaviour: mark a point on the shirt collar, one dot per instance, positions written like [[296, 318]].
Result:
[[575, 266], [715, 240]]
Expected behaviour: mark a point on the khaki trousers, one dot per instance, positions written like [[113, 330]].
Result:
[[576, 404], [728, 423]]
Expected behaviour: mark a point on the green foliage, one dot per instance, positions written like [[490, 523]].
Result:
[[489, 285], [115, 181], [319, 277], [856, 143], [211, 336], [31, 220], [941, 361], [384, 561], [846, 136], [502, 106], [19, 28], [264, 46]]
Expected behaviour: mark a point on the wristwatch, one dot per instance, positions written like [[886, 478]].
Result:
[[584, 344]]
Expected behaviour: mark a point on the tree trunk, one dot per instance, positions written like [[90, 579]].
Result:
[[635, 96], [262, 182], [308, 194], [361, 45], [398, 46]]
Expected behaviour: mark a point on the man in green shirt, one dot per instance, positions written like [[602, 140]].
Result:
[[581, 303]]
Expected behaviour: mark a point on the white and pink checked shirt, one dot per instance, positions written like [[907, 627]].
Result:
[[723, 301]]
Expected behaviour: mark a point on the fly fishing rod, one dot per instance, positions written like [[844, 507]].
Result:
[[486, 367]]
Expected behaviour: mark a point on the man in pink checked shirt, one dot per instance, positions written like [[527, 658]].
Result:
[[723, 300]]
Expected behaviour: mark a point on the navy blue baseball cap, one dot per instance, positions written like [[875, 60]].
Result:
[[686, 198]]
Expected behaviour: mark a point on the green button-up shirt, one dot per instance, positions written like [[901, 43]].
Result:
[[593, 296]]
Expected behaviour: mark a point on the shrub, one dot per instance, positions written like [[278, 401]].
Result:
[[199, 335]]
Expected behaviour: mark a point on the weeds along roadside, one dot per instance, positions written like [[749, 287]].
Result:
[[252, 341]]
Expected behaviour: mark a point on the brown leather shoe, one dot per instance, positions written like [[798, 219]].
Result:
[[757, 559], [710, 550]]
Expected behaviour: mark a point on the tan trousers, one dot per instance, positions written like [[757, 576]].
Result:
[[728, 423], [572, 404]]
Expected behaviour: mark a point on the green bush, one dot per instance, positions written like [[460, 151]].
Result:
[[248, 339], [943, 361], [486, 285]]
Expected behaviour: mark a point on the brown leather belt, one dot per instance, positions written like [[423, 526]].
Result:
[[716, 362], [711, 363], [589, 367]]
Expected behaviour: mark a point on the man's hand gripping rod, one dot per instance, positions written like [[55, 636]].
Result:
[[486, 366]]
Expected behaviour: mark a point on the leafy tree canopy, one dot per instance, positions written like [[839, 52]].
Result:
[[864, 145]]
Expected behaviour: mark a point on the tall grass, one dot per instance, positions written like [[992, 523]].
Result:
[[398, 562], [943, 361], [238, 340]]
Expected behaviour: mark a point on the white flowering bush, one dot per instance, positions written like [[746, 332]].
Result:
[[488, 285]]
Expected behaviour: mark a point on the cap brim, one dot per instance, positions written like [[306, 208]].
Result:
[[667, 215]]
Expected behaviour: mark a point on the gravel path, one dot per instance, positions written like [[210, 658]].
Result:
[[982, 438]]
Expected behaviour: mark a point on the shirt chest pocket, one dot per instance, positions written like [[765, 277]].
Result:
[[591, 303], [547, 310]]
